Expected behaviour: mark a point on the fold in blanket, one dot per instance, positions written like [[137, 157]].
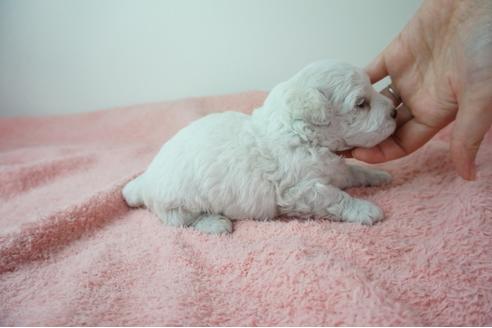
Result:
[[72, 252]]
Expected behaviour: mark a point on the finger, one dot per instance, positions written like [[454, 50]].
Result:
[[377, 69], [472, 123], [408, 138], [403, 115]]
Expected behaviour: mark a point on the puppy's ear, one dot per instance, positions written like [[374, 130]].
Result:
[[307, 104]]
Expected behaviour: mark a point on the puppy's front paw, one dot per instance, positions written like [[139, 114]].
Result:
[[364, 212], [378, 178]]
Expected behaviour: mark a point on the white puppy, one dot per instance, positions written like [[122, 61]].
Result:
[[279, 160]]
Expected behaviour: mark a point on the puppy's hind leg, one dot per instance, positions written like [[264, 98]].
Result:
[[213, 224], [208, 223], [177, 217]]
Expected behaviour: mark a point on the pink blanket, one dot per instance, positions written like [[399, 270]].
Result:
[[72, 252]]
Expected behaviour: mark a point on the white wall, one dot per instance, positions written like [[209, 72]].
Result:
[[64, 56]]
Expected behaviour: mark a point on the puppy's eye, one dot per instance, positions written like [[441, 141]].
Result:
[[361, 103]]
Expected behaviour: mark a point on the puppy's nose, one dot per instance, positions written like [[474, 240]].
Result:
[[393, 113]]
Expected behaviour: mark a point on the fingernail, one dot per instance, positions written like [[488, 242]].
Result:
[[472, 172], [469, 172]]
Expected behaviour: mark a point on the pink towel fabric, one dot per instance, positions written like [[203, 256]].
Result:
[[72, 252]]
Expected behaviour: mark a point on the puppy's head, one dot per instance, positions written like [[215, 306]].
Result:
[[334, 105]]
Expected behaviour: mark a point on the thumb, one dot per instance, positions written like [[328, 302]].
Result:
[[473, 120], [377, 68]]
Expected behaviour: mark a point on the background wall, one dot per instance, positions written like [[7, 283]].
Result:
[[65, 56]]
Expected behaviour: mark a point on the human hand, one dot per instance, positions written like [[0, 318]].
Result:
[[441, 64]]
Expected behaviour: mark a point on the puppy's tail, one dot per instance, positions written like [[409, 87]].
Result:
[[132, 192]]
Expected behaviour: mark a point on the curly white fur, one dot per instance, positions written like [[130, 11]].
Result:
[[279, 160]]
